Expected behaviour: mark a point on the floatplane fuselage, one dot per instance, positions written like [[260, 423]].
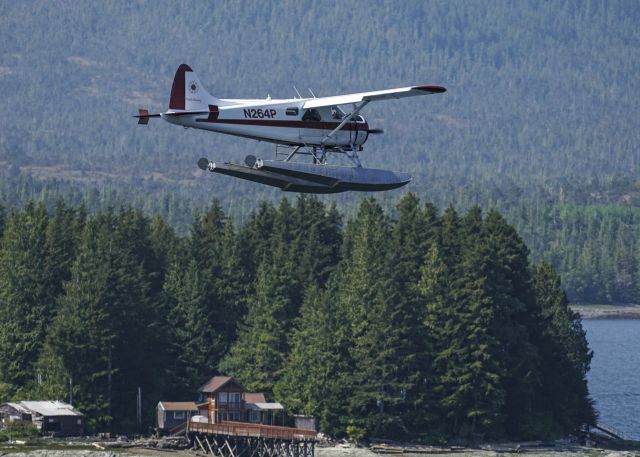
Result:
[[314, 126]]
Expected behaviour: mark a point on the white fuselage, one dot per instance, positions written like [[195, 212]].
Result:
[[277, 121]]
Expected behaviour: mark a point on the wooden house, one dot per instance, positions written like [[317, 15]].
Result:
[[223, 398]]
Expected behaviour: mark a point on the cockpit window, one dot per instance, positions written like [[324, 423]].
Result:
[[312, 115], [292, 111]]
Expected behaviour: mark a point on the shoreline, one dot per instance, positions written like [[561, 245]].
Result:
[[333, 451], [607, 311]]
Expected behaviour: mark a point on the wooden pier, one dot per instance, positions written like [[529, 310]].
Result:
[[242, 439]]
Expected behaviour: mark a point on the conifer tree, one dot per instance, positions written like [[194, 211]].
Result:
[[101, 340], [194, 343], [26, 301], [163, 242], [317, 240], [257, 356], [312, 381], [435, 277], [563, 402], [63, 234], [516, 322], [3, 220], [203, 306], [254, 239], [378, 318], [473, 380], [412, 234]]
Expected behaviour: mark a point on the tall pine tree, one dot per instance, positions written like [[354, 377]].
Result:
[[26, 297]]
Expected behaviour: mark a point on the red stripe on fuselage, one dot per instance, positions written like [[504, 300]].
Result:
[[351, 126]]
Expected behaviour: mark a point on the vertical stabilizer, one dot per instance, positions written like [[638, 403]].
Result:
[[187, 93]]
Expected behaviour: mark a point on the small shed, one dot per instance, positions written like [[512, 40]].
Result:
[[172, 414], [305, 422], [50, 417]]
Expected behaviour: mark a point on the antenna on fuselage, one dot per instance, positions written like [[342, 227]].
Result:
[[312, 94], [294, 88]]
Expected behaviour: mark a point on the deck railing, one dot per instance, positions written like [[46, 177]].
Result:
[[255, 430]]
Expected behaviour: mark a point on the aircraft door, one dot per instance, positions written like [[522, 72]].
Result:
[[311, 131]]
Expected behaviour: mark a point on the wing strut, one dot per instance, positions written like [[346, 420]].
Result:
[[345, 120]]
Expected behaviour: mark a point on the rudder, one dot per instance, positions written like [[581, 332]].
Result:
[[187, 93]]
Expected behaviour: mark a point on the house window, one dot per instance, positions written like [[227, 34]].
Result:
[[222, 397], [179, 414], [254, 416], [235, 416], [292, 111], [79, 421], [234, 397]]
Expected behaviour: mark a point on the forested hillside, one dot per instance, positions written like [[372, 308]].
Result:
[[430, 326], [540, 117]]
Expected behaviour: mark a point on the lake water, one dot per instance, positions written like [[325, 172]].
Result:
[[614, 379]]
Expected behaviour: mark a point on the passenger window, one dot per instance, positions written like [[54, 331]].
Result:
[[292, 111], [337, 113], [311, 115]]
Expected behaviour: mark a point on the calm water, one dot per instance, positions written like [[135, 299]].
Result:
[[614, 379]]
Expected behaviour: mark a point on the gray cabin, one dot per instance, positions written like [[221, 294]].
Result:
[[50, 417], [171, 415]]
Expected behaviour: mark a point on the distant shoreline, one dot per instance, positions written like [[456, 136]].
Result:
[[607, 311]]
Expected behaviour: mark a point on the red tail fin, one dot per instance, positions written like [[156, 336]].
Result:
[[177, 89]]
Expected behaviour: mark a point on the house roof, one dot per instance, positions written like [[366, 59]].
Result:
[[178, 406], [18, 407], [47, 408], [265, 406], [254, 397], [215, 383]]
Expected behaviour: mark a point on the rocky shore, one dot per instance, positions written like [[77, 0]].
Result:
[[607, 311], [340, 450]]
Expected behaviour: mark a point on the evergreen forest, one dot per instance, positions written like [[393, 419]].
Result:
[[539, 121], [418, 323]]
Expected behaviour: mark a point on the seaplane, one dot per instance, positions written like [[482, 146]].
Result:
[[307, 132]]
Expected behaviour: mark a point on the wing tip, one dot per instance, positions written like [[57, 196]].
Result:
[[431, 89]]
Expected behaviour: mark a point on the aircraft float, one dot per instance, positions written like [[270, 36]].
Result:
[[314, 128]]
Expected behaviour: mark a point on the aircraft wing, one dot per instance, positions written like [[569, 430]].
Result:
[[372, 96]]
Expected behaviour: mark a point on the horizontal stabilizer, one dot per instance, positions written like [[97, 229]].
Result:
[[143, 116]]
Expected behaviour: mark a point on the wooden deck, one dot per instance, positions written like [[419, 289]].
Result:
[[253, 430]]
